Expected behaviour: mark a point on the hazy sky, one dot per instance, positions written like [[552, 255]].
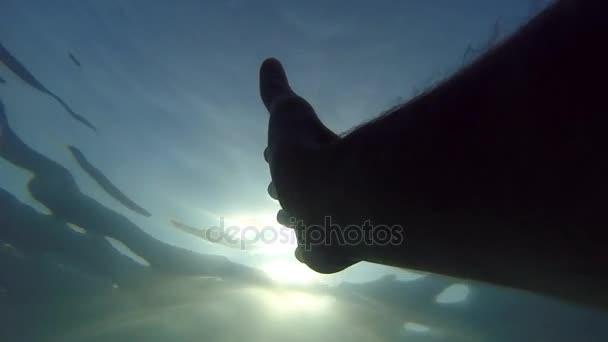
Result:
[[172, 87]]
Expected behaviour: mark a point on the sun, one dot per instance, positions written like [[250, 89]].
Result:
[[290, 272], [275, 246], [263, 230]]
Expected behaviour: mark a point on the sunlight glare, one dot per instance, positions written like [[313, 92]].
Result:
[[268, 235], [291, 272], [293, 302]]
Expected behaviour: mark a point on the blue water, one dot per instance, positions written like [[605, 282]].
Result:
[[161, 99]]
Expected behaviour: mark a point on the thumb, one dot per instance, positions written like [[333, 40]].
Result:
[[293, 121], [273, 83]]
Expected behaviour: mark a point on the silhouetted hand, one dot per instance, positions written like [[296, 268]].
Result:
[[298, 159]]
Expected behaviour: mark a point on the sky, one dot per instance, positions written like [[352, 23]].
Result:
[[172, 88]]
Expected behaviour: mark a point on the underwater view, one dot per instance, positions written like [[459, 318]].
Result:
[[134, 196]]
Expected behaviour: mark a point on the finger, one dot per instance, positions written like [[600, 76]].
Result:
[[322, 262], [284, 218], [273, 82], [293, 121], [267, 155], [272, 191], [299, 254]]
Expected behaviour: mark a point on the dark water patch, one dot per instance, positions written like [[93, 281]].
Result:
[[31, 235], [24, 74], [105, 183], [74, 59], [217, 236], [54, 187]]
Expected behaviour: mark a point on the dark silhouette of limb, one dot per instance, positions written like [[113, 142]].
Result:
[[497, 174]]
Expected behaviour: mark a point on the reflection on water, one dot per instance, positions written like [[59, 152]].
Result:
[[453, 294], [214, 309], [179, 131]]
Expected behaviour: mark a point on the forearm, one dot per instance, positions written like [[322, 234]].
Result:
[[502, 111], [461, 167]]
